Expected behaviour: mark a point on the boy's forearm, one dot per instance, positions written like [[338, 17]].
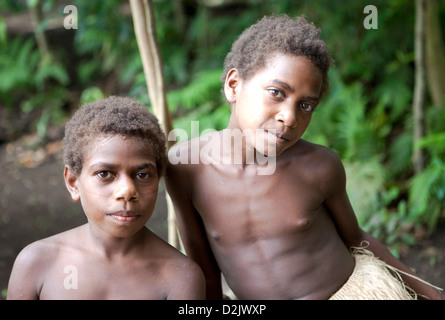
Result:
[[212, 275]]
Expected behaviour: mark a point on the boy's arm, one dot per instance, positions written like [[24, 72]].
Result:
[[190, 285], [424, 291], [340, 208], [192, 230], [23, 282]]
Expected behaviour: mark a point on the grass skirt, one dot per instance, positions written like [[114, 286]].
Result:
[[373, 279]]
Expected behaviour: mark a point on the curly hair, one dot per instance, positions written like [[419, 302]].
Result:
[[110, 116], [278, 34]]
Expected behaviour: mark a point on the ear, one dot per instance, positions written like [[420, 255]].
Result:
[[71, 181], [230, 85]]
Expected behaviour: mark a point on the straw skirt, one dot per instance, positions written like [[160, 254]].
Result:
[[373, 279]]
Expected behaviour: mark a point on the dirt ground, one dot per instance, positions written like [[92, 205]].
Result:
[[34, 204]]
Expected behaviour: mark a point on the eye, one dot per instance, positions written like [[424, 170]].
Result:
[[276, 93], [307, 107], [105, 175], [144, 175]]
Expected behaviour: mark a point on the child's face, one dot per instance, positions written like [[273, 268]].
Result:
[[279, 99], [118, 185]]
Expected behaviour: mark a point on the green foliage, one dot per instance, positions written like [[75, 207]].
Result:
[[36, 81], [201, 101], [91, 94], [427, 189], [18, 63], [427, 194], [342, 122]]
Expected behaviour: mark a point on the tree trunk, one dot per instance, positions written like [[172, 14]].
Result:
[[435, 54], [36, 18], [145, 30], [419, 85]]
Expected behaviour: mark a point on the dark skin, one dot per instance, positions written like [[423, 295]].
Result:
[[279, 236], [113, 256]]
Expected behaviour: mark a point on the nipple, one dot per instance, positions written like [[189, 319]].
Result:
[[215, 235]]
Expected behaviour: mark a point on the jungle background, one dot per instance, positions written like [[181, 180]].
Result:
[[370, 116]]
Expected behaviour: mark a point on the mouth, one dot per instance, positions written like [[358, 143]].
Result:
[[123, 216], [277, 136]]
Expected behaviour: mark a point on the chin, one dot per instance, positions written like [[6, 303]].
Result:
[[273, 151], [126, 233]]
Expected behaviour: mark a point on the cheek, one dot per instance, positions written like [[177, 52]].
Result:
[[92, 197], [88, 188], [152, 196], [303, 122], [252, 114]]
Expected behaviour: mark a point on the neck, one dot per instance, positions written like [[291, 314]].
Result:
[[237, 149], [234, 147], [110, 246]]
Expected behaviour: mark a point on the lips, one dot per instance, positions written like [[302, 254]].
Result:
[[123, 216], [280, 137]]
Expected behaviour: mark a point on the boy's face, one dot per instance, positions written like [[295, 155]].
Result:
[[117, 186], [276, 103]]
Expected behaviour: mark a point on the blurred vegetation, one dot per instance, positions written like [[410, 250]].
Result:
[[366, 117]]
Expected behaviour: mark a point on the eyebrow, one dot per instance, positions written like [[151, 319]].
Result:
[[284, 84], [114, 167], [292, 90], [103, 165], [145, 165], [310, 98]]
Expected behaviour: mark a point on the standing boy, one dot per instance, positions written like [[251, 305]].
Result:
[[114, 153], [286, 234]]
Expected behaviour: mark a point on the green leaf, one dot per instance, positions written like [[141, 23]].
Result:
[[32, 3], [91, 94]]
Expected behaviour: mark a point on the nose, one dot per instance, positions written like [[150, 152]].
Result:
[[126, 190], [287, 115]]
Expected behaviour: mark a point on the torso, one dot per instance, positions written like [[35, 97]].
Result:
[[72, 271], [272, 235]]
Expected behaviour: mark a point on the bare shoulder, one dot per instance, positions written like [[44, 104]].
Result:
[[321, 164], [179, 156], [173, 261], [33, 262], [185, 277], [191, 151], [47, 249], [318, 155], [187, 158]]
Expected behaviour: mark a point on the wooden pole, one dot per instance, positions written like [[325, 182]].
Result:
[[434, 54], [419, 85], [145, 30]]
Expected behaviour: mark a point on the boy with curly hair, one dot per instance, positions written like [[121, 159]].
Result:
[[290, 234], [114, 154]]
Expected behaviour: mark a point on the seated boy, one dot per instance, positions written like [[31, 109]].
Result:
[[266, 208], [114, 153]]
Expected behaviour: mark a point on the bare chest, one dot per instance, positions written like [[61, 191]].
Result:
[[242, 208], [96, 281]]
